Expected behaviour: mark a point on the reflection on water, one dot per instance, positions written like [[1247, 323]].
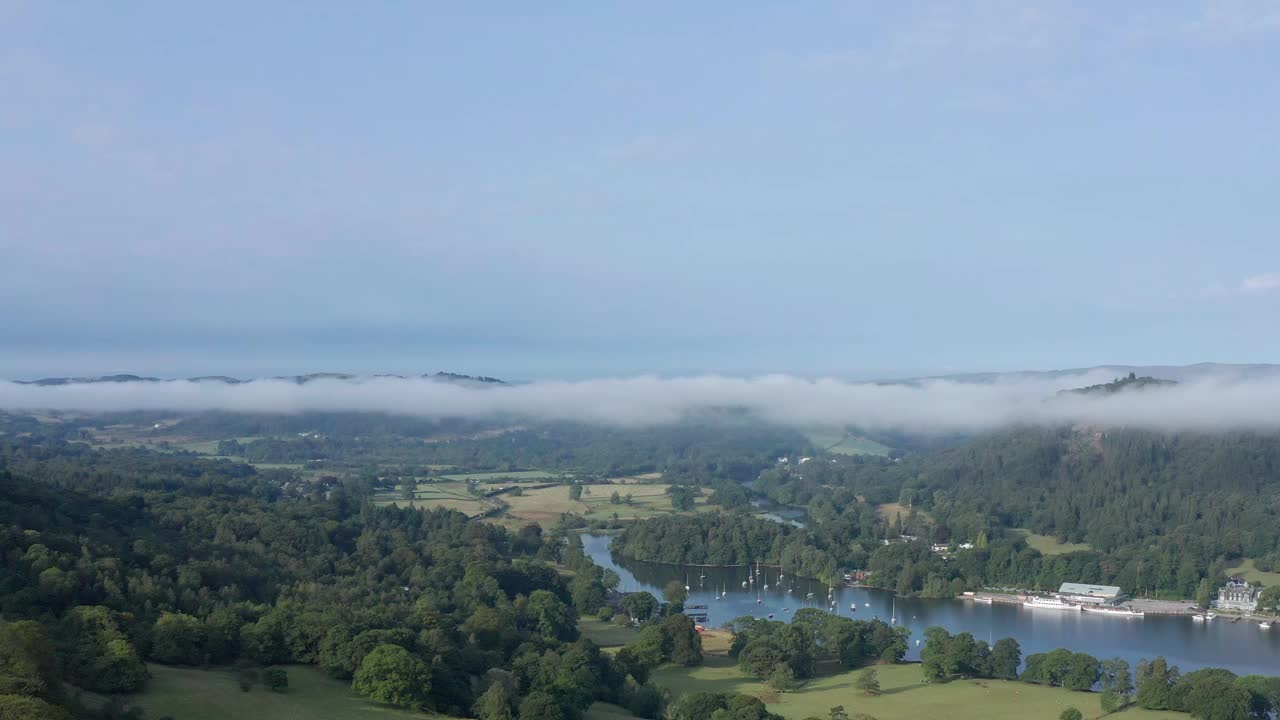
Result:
[[1240, 647]]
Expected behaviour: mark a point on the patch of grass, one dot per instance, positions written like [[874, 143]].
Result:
[[605, 633], [1249, 572], [889, 510], [842, 443], [904, 695], [191, 694], [1049, 545]]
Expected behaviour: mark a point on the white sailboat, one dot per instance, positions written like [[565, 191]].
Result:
[[893, 612]]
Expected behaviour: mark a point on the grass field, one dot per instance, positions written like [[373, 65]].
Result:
[[903, 695], [841, 443], [1049, 545], [514, 475], [605, 711], [1247, 571], [636, 479], [452, 495], [545, 505], [189, 694]]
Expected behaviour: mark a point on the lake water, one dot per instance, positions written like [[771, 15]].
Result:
[[1240, 647]]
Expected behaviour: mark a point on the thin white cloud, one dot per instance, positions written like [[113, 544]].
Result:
[[1260, 283], [930, 406]]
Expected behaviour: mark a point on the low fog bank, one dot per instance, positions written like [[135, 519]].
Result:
[[926, 406]]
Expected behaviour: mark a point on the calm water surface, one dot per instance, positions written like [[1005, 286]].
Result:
[[1240, 647]]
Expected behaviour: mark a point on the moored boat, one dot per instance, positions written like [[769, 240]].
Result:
[[1050, 604], [1115, 611]]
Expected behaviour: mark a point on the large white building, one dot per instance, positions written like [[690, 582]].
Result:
[[1238, 594]]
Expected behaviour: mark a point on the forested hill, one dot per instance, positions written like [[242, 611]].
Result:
[[1130, 382], [1159, 512]]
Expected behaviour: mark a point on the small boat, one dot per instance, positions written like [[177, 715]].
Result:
[[809, 596], [786, 609], [766, 586], [917, 643], [770, 616], [788, 591], [1198, 618], [1210, 616], [744, 583], [1264, 625], [866, 605], [853, 607]]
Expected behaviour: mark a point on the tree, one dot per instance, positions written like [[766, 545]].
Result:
[[868, 681], [392, 675], [682, 497], [22, 707], [177, 639], [495, 703], [1005, 658], [838, 713], [645, 702], [615, 498], [783, 679], [539, 705], [640, 605], [28, 665], [674, 592], [1155, 684], [760, 657], [1116, 684], [1204, 593], [1070, 714], [685, 642], [575, 491], [1269, 599], [1265, 692], [553, 619], [277, 679]]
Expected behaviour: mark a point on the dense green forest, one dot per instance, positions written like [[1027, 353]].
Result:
[[115, 557]]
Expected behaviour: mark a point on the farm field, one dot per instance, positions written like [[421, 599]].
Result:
[[453, 495], [1249, 572], [836, 441], [1049, 545], [904, 696], [545, 505], [191, 694]]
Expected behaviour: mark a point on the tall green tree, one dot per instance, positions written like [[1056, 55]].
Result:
[[392, 675]]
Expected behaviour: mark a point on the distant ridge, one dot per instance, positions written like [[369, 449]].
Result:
[[449, 377], [1178, 373]]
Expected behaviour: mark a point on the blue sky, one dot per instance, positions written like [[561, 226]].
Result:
[[581, 189]]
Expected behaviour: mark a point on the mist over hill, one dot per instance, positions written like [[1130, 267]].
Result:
[[1207, 397]]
